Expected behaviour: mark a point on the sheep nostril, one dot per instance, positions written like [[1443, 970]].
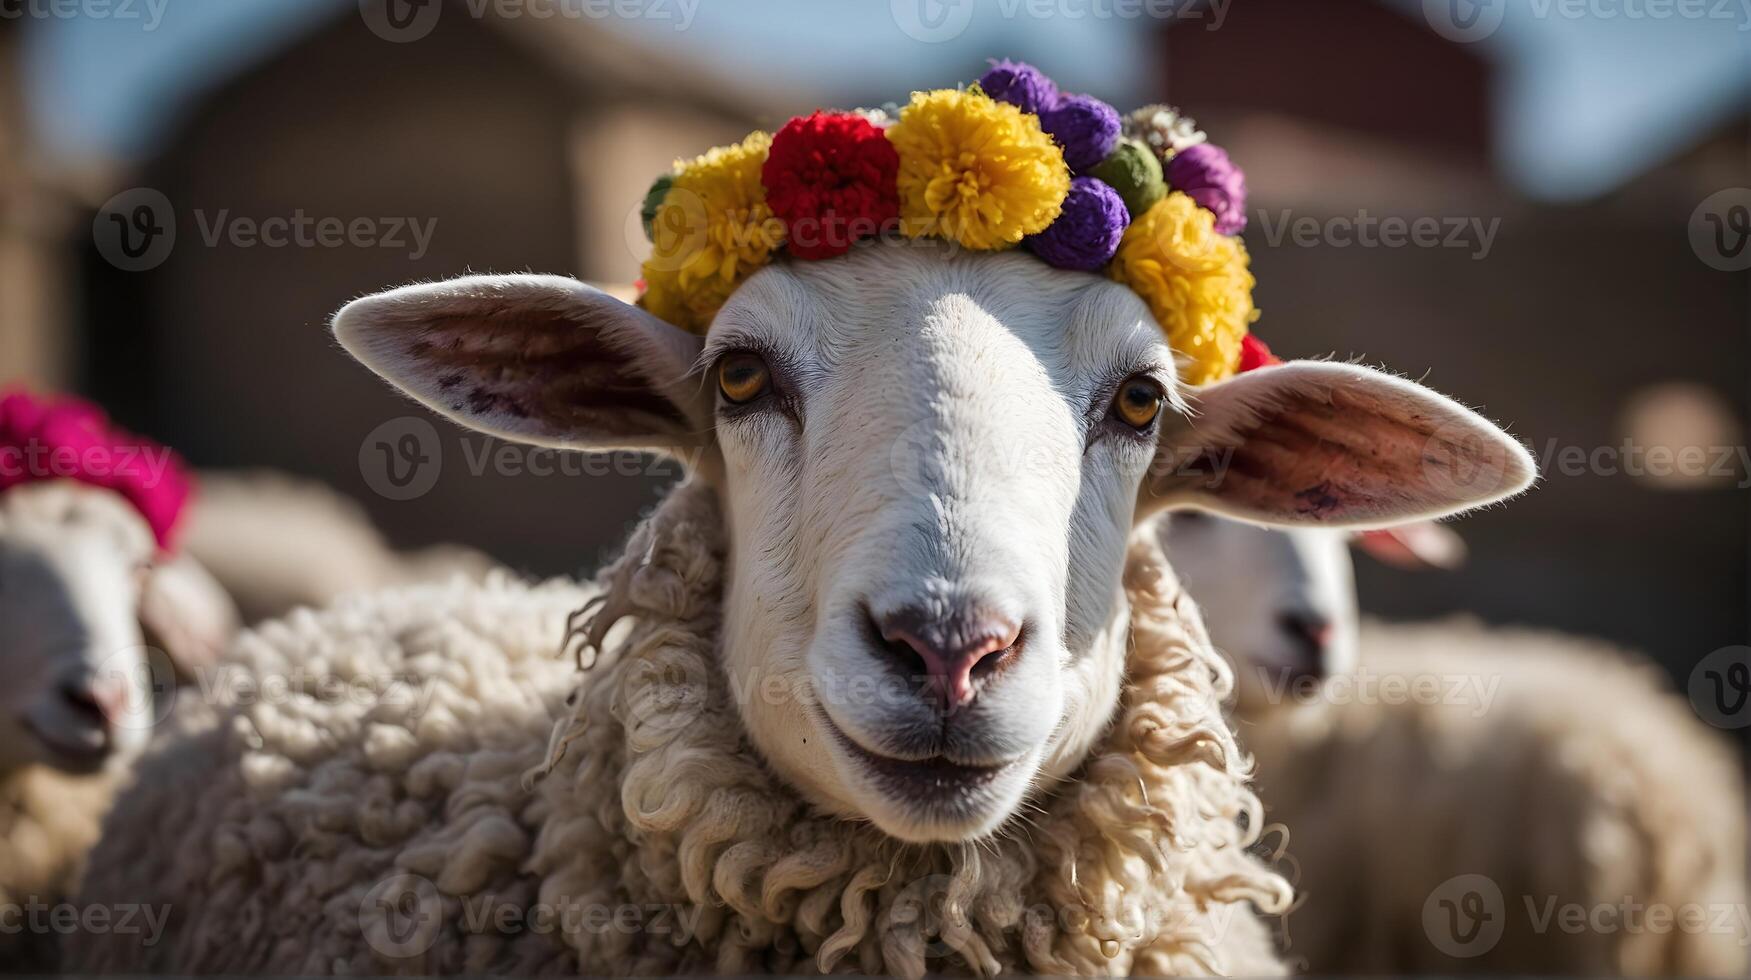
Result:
[[1311, 631], [952, 653]]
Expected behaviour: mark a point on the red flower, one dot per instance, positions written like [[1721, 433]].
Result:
[[1254, 354], [830, 178]]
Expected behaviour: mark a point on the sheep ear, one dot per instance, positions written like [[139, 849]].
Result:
[[186, 613], [538, 359], [1415, 546], [1313, 443]]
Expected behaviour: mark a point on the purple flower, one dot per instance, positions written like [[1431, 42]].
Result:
[[1088, 229], [1207, 176], [1019, 84], [1085, 127]]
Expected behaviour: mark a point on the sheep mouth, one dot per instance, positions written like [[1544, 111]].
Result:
[[929, 781], [75, 754]]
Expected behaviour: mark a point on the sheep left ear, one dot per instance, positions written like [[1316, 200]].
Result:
[[186, 613], [539, 359], [1337, 445]]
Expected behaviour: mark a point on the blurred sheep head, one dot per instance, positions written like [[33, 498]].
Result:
[[95, 626], [1280, 603]]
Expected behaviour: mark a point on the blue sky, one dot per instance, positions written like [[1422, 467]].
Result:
[[1592, 91]]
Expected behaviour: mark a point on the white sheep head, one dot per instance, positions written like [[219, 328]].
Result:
[[1280, 603], [930, 463], [85, 599]]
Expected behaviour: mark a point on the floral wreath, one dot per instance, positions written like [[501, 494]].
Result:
[[43, 438], [1007, 161]]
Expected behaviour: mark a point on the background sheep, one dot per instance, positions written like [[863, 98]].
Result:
[[276, 542], [1058, 791], [1537, 772], [86, 601]]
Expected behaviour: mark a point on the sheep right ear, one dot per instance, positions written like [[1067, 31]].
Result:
[[546, 360], [1337, 445]]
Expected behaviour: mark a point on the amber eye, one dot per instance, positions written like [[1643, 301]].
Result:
[[1138, 402], [742, 377]]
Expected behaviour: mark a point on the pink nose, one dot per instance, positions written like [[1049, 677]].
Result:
[[954, 650]]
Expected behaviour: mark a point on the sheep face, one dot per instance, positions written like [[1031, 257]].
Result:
[[929, 463], [72, 566], [1279, 603]]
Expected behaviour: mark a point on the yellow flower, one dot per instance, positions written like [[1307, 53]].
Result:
[[1195, 281], [712, 231], [975, 170]]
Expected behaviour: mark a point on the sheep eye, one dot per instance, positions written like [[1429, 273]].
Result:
[[1138, 402], [743, 377]]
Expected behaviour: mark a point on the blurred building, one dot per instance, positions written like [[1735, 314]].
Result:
[[35, 216], [1558, 320], [510, 145]]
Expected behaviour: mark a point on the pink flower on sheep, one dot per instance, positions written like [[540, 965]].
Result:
[[69, 439]]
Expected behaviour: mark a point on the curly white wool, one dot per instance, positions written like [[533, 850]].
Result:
[[495, 793]]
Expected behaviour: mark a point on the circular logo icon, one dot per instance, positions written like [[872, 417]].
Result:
[[401, 459], [148, 678], [135, 230], [401, 21], [665, 697], [1720, 230], [1464, 463], [1720, 687], [932, 21], [1465, 915], [1464, 21], [400, 916]]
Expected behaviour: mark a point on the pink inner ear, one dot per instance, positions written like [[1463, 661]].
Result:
[[1350, 457], [537, 373], [1348, 454]]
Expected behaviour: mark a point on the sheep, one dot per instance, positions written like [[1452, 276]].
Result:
[[892, 683], [1539, 772], [276, 542], [83, 590]]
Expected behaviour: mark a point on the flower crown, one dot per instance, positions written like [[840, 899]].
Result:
[[68, 439], [1007, 161]]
